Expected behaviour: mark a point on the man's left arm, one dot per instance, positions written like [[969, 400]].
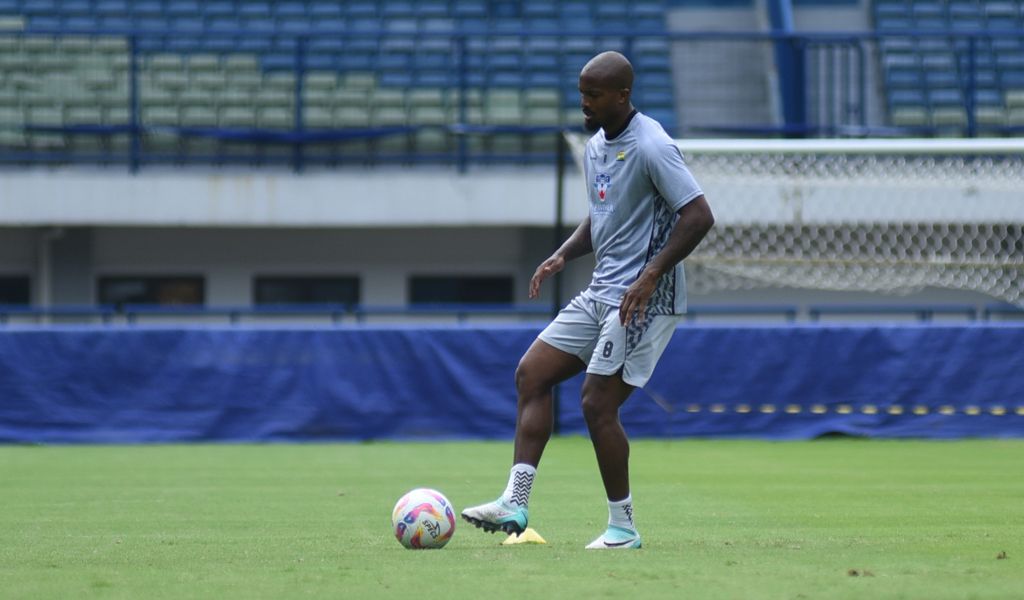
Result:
[[695, 220]]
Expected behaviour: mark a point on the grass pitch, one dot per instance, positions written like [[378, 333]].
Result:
[[720, 519]]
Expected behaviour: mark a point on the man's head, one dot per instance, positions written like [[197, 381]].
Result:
[[605, 86]]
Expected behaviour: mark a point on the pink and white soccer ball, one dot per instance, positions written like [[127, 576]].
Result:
[[423, 518]]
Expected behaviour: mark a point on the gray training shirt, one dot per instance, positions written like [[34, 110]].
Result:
[[636, 184]]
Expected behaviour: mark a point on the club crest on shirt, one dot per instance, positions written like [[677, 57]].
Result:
[[602, 182]]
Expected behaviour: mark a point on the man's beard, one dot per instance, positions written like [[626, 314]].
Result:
[[591, 125]]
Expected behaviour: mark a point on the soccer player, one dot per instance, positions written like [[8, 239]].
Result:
[[647, 213]]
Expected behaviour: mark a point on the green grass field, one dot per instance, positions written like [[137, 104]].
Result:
[[720, 519]]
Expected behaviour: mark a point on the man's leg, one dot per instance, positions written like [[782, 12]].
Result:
[[603, 395], [541, 368]]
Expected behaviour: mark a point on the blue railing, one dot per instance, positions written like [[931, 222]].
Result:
[[131, 314]]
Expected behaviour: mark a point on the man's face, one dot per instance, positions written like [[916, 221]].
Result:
[[599, 102]]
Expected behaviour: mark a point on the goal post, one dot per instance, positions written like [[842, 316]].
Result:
[[883, 215]]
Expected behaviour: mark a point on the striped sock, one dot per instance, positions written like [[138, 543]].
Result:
[[520, 484], [620, 513]]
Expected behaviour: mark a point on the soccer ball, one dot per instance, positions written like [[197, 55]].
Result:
[[423, 518]]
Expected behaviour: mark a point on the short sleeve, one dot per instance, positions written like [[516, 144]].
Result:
[[670, 175]]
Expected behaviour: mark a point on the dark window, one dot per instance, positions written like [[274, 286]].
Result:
[[306, 290], [460, 289], [14, 290], [164, 290]]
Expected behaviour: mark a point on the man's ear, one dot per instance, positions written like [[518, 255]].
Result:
[[624, 95]]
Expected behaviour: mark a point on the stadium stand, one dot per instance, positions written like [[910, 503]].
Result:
[[221, 72], [331, 82], [952, 65]]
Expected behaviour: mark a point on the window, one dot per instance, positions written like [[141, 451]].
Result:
[[14, 290], [306, 290], [461, 289], [164, 290]]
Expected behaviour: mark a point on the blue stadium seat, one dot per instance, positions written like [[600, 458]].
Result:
[[40, 7], [320, 62], [218, 8], [914, 96], [112, 7], [545, 79], [290, 9], [328, 23], [183, 8], [942, 78], [397, 9], [325, 44], [400, 79], [354, 60], [189, 24], [611, 13], [43, 22], [292, 25], [539, 8], [469, 8], [1012, 78], [435, 78], [362, 9], [987, 96], [221, 24], [218, 44], [437, 25], [432, 8], [542, 25], [277, 62], [426, 59], [68, 7], [147, 7], [81, 22], [904, 78], [364, 23], [249, 9], [320, 8], [256, 44]]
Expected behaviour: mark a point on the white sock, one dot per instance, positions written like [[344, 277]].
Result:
[[520, 484], [620, 513]]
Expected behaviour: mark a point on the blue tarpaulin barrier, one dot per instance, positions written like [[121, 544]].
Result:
[[116, 384]]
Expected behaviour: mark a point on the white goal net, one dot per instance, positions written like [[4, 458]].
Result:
[[868, 215]]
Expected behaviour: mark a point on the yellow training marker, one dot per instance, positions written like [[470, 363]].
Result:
[[530, 536]]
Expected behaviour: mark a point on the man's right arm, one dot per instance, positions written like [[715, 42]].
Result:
[[578, 244]]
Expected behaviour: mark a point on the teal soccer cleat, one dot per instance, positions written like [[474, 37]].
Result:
[[495, 516], [616, 538]]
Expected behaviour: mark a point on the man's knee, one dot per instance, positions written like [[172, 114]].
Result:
[[531, 378], [602, 396], [543, 367]]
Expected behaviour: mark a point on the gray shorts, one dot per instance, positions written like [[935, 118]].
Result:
[[591, 330]]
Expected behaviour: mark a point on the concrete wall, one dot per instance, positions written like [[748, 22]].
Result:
[[345, 198], [230, 258]]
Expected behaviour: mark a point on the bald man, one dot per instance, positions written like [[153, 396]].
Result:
[[647, 214]]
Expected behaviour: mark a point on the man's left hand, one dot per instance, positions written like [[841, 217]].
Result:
[[634, 302]]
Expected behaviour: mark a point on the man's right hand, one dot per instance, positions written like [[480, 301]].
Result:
[[546, 269]]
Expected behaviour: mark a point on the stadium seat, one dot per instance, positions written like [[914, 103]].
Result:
[[939, 74], [216, 62]]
